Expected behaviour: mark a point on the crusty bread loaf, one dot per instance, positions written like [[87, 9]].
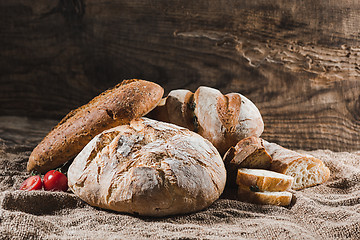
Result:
[[126, 101], [307, 170], [182, 114], [247, 153], [149, 168], [266, 198], [222, 119], [263, 180]]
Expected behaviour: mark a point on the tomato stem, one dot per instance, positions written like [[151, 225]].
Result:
[[34, 173]]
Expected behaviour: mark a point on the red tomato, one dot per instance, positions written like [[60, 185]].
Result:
[[32, 183], [55, 181]]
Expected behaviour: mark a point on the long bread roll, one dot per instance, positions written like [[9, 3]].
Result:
[[126, 101]]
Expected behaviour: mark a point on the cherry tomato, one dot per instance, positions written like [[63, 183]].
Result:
[[55, 181], [32, 183]]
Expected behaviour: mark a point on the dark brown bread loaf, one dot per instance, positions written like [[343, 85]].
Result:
[[126, 101]]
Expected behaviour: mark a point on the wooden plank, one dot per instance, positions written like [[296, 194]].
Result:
[[297, 61]]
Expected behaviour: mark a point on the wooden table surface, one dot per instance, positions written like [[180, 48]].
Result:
[[298, 61]]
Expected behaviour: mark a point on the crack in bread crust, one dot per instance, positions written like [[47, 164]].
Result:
[[149, 167]]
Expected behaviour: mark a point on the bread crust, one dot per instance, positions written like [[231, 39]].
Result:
[[247, 153], [181, 108], [307, 170], [264, 180], [149, 168], [119, 105], [222, 119]]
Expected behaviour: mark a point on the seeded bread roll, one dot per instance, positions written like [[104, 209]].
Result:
[[149, 168], [264, 198], [126, 101], [263, 180], [222, 119], [306, 170]]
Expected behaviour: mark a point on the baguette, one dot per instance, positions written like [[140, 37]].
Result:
[[126, 101], [222, 119], [247, 153], [263, 180], [264, 198], [307, 170]]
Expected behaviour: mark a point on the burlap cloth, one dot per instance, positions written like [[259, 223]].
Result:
[[329, 211]]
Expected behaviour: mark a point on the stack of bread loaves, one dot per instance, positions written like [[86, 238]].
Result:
[[254, 152], [233, 124], [283, 165], [127, 163], [170, 162]]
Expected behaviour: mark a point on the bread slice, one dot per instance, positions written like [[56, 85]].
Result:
[[307, 170], [265, 198], [126, 101], [263, 180], [247, 153]]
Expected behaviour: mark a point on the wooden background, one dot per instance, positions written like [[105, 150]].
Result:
[[298, 61]]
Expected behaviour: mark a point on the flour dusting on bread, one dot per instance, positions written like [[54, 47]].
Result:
[[150, 168]]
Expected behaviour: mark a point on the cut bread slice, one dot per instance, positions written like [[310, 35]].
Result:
[[307, 170], [247, 153], [265, 198], [263, 180]]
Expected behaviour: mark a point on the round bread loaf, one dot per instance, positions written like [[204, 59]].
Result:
[[222, 119], [119, 105], [149, 168], [226, 119]]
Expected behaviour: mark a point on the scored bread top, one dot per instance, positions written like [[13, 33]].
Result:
[[119, 105], [222, 119], [150, 168]]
